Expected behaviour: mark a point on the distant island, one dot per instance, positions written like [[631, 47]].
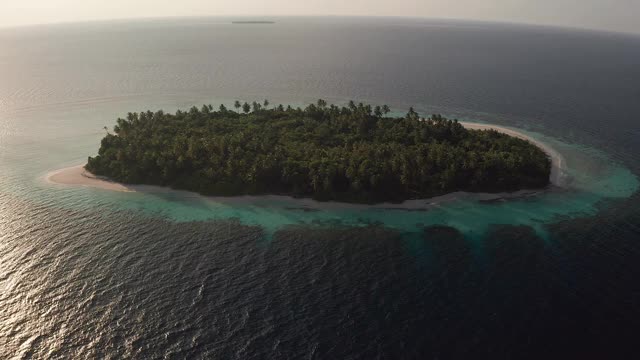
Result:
[[354, 153], [253, 22]]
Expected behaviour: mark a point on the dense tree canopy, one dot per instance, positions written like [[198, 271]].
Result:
[[327, 152]]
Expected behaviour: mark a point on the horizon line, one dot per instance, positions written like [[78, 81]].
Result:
[[343, 16]]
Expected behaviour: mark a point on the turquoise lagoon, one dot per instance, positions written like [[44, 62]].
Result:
[[52, 137]]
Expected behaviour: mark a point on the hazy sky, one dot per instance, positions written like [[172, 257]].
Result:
[[620, 15]]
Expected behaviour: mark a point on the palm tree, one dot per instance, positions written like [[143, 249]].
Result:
[[246, 107], [237, 105], [386, 109], [412, 115], [266, 103], [377, 111]]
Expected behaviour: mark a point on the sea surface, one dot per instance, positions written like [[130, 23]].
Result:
[[89, 273]]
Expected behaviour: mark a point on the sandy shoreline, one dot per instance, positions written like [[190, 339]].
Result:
[[557, 176], [78, 176]]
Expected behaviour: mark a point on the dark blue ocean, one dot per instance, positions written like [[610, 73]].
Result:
[[90, 273]]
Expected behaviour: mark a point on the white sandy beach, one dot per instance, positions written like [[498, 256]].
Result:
[[78, 176], [557, 176]]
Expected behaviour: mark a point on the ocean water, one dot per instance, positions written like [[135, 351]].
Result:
[[88, 273]]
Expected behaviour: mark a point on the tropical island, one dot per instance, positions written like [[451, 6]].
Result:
[[253, 22], [354, 153]]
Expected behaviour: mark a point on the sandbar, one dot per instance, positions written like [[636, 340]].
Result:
[[77, 175]]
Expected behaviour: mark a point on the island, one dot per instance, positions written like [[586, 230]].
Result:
[[253, 22], [354, 153]]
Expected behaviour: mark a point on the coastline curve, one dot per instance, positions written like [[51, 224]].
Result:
[[78, 176]]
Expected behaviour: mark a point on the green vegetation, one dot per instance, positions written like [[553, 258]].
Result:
[[352, 153]]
